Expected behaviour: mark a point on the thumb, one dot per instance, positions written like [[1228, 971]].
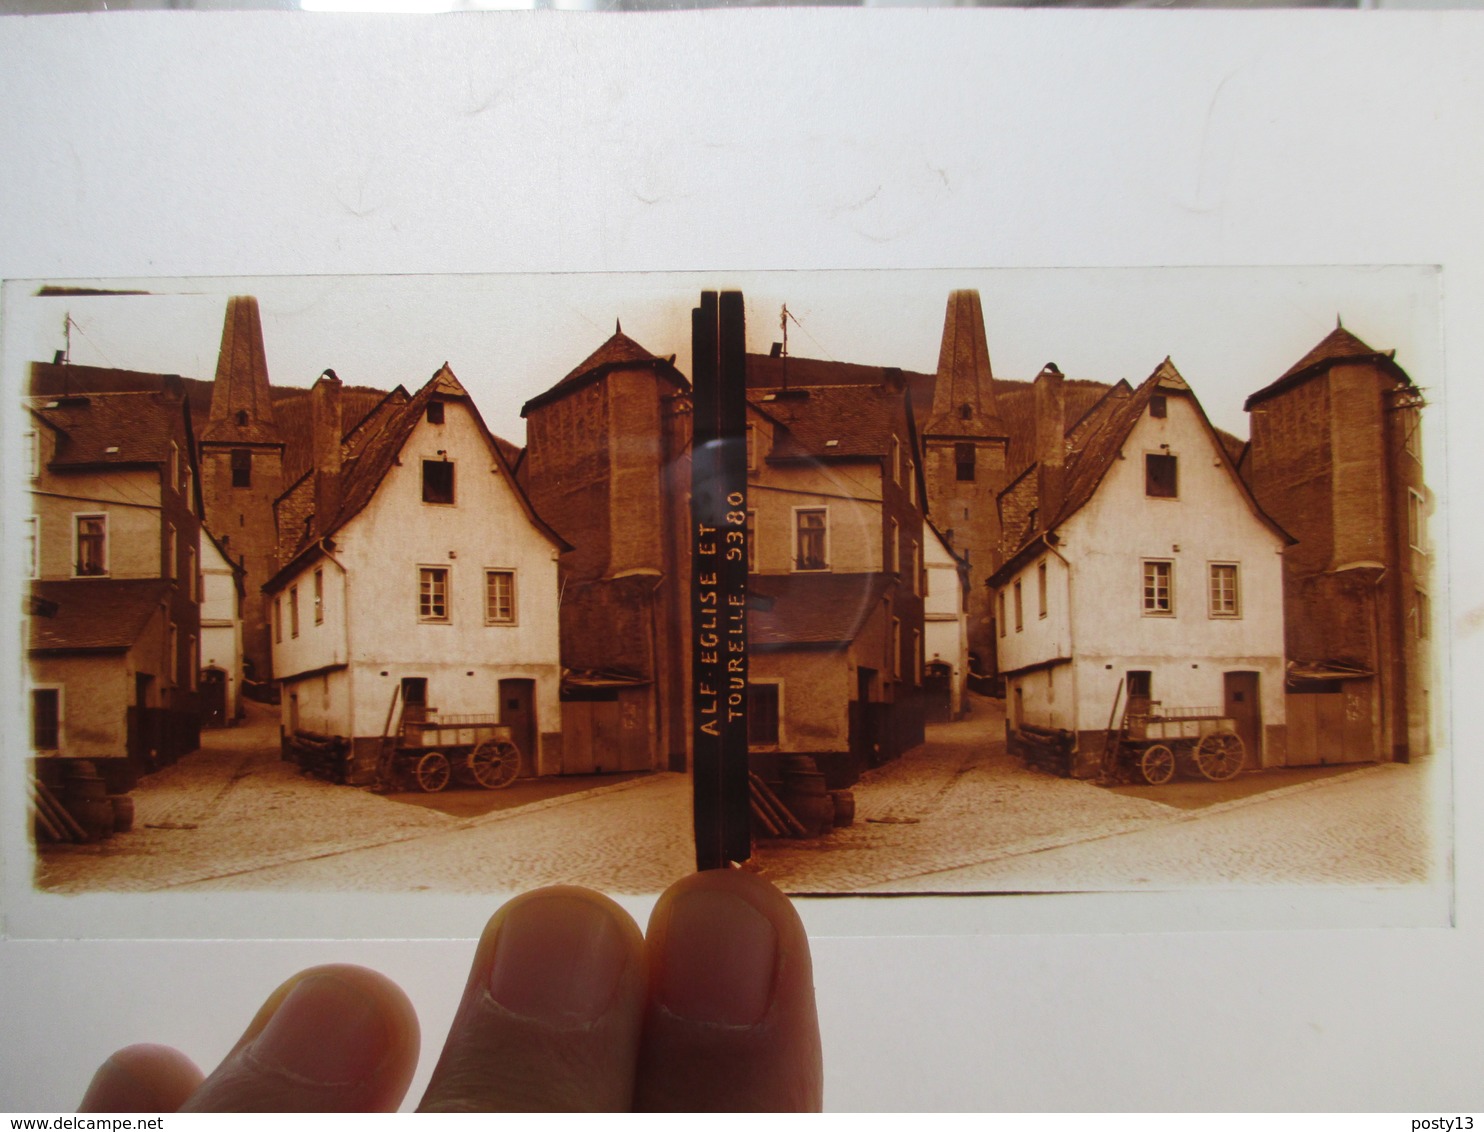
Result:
[[331, 1039]]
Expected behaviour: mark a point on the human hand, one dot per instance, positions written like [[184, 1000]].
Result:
[[566, 1007]]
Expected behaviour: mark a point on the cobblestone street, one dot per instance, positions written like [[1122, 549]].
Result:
[[956, 815]]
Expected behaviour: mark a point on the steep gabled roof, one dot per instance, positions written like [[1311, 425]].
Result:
[[1339, 345], [241, 387], [112, 429], [375, 442], [812, 610], [964, 403], [94, 614], [1095, 442], [827, 422], [619, 352]]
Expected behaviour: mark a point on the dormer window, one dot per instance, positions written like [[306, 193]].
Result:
[[241, 418], [435, 412], [965, 412], [437, 481], [1158, 406]]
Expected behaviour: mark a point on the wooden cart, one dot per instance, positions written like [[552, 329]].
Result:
[[475, 749], [1156, 740]]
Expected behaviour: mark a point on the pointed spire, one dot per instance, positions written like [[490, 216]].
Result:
[[617, 326], [1338, 324], [241, 400], [963, 398]]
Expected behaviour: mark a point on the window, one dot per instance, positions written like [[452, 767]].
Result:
[[319, 596], [192, 576], [174, 466], [896, 647], [896, 460], [193, 660], [1416, 520], [1002, 613], [1041, 589], [241, 463], [1019, 609], [432, 593], [1424, 616], [894, 551], [278, 620], [1159, 594], [965, 412], [916, 565], [762, 715], [435, 412], [911, 482], [33, 547], [963, 459], [91, 560], [752, 541], [293, 611], [1225, 597], [46, 719], [499, 597], [187, 488], [437, 481], [173, 644], [751, 447], [811, 538], [1160, 476], [33, 454], [170, 551], [241, 418], [1158, 407], [917, 656]]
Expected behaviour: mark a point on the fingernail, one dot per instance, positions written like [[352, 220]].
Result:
[[720, 958], [325, 1031], [558, 960]]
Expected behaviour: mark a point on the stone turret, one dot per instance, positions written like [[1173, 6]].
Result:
[[966, 447], [242, 470]]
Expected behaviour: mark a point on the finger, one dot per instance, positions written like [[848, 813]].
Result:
[[731, 1023], [551, 1013], [331, 1039], [142, 1078]]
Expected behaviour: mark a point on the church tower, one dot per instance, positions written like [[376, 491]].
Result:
[[966, 450], [242, 470]]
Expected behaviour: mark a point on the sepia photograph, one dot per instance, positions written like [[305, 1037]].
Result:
[[1058, 581]]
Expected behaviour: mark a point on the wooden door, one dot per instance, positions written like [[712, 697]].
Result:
[[414, 699], [1241, 702], [518, 712]]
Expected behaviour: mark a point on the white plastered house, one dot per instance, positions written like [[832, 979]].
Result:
[[1136, 563], [417, 579]]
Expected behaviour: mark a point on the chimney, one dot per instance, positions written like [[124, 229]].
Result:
[[325, 433], [1051, 430]]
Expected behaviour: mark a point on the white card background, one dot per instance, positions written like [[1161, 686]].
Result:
[[158, 144]]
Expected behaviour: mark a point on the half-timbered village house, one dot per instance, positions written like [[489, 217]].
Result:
[[1137, 566], [417, 580], [114, 542], [836, 621]]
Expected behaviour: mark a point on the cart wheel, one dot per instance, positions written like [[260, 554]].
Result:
[[1157, 764], [1220, 755], [495, 763], [433, 772]]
